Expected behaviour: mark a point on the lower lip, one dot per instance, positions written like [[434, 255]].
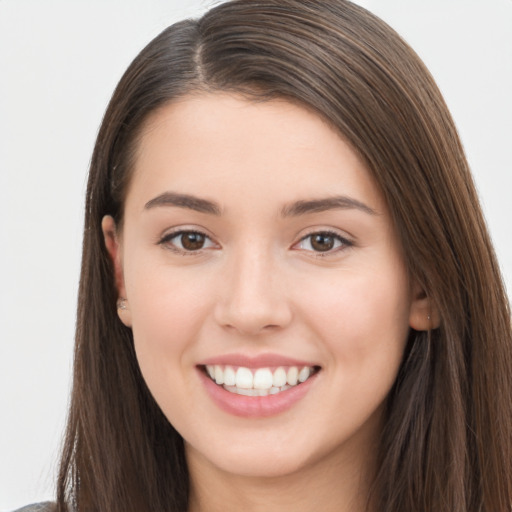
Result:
[[255, 406]]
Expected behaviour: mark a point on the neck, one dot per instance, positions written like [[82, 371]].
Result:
[[335, 486]]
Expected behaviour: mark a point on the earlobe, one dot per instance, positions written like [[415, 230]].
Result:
[[424, 315], [112, 245]]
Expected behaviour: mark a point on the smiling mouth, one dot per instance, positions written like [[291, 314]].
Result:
[[259, 381]]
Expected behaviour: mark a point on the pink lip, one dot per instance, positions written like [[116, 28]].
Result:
[[259, 361], [255, 406]]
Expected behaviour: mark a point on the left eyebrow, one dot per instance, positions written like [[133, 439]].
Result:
[[184, 201], [322, 205]]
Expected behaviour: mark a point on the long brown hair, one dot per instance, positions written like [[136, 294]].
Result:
[[446, 444]]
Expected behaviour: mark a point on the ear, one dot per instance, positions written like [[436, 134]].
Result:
[[423, 315], [111, 239]]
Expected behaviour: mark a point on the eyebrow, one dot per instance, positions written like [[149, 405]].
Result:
[[295, 209], [184, 201], [322, 205]]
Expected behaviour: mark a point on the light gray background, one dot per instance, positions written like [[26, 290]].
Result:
[[59, 63]]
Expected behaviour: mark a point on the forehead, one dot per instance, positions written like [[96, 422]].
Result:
[[222, 142]]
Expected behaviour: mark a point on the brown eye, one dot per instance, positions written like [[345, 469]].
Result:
[[187, 241], [191, 241], [322, 242]]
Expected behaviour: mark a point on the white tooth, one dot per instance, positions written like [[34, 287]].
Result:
[[285, 387], [303, 374], [274, 390], [211, 371], [229, 376], [244, 378], [279, 377], [242, 391], [292, 375], [219, 374], [262, 379], [262, 392]]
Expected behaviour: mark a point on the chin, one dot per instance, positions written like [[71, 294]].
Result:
[[263, 465], [262, 458]]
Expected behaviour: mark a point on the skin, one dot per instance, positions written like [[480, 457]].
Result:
[[258, 286]]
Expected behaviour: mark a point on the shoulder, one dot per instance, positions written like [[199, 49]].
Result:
[[47, 506]]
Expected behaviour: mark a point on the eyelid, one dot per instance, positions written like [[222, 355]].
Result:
[[164, 240], [346, 242]]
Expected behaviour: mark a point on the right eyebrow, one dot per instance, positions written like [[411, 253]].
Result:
[[184, 201], [321, 205]]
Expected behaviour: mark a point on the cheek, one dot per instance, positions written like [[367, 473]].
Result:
[[362, 323], [363, 318], [168, 310]]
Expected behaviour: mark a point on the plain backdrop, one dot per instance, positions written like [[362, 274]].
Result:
[[59, 63]]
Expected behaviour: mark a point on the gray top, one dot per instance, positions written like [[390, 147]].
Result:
[[46, 506]]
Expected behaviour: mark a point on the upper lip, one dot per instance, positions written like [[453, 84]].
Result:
[[258, 361]]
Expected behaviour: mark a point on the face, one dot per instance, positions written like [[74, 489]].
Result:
[[265, 287]]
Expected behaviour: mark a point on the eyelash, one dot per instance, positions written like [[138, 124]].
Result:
[[344, 243], [166, 241]]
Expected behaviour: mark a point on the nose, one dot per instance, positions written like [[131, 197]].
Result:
[[253, 295]]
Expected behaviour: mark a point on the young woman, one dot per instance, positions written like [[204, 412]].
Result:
[[289, 299]]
